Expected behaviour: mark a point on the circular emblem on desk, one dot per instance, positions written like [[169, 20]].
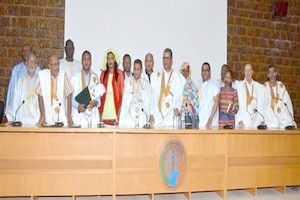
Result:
[[172, 163]]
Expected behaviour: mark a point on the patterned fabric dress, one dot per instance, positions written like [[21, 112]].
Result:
[[228, 106], [191, 104]]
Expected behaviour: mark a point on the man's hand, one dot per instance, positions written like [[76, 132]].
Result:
[[81, 108], [41, 121], [241, 124], [9, 123], [209, 122], [176, 112], [151, 120], [70, 121], [93, 104]]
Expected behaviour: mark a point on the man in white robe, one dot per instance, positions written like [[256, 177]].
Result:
[[127, 67], [70, 65], [149, 73], [251, 101], [24, 96], [137, 103], [54, 91], [19, 70], [81, 115], [278, 99], [209, 91], [168, 88]]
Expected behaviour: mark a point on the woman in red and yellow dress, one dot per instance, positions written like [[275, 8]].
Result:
[[113, 80]]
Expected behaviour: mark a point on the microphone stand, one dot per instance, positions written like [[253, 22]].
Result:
[[147, 124], [58, 123], [290, 127], [187, 118], [262, 126], [18, 123]]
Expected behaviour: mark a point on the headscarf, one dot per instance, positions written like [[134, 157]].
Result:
[[117, 58], [186, 65]]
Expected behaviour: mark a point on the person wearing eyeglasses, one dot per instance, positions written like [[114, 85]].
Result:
[[54, 91], [168, 93], [24, 93], [19, 70]]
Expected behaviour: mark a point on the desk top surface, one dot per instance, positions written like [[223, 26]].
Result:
[[120, 130]]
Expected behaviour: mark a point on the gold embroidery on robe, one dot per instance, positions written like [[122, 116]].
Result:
[[30, 95], [54, 92], [279, 110], [281, 85], [249, 98], [275, 97], [164, 91], [135, 86], [167, 105]]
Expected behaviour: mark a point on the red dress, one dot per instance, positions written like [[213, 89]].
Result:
[[117, 85]]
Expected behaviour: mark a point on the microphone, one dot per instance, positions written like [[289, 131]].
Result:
[[228, 126], [147, 124], [17, 123], [262, 125], [188, 121], [290, 127], [58, 123]]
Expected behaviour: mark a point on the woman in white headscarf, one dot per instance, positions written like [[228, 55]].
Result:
[[190, 103]]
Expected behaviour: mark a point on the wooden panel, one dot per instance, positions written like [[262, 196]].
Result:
[[255, 177], [263, 145], [205, 162], [215, 161], [137, 182], [292, 175], [54, 145], [266, 160], [263, 160], [76, 162], [41, 164], [55, 184]]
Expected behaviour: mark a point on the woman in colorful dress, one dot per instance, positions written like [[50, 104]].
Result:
[[190, 105]]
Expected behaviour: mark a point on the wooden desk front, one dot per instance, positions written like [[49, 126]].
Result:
[[76, 162]]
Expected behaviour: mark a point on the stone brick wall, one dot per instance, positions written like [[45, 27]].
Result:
[[39, 23], [255, 36]]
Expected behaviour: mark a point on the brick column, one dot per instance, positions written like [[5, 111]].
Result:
[[39, 23], [255, 36]]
